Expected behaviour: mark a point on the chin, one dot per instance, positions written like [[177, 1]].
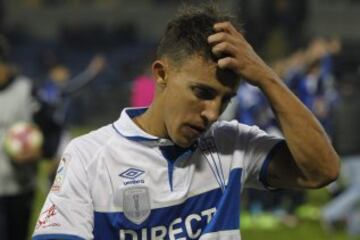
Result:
[[183, 142]]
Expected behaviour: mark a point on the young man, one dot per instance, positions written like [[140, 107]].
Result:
[[171, 171]]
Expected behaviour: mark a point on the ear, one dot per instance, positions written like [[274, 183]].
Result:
[[160, 72]]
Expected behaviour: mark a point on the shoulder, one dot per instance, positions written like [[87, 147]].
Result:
[[23, 81], [228, 128], [233, 132], [20, 88], [87, 146]]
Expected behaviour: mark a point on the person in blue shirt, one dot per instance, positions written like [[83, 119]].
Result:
[[54, 96]]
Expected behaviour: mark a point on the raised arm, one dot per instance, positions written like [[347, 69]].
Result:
[[307, 159], [81, 80]]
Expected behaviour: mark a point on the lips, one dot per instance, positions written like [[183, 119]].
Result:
[[196, 130]]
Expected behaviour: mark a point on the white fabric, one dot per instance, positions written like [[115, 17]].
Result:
[[91, 183]]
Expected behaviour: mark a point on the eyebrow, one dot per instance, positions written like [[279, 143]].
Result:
[[209, 88]]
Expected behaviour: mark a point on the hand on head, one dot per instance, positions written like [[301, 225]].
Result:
[[236, 54]]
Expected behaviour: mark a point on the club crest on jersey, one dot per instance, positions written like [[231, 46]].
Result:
[[136, 204]]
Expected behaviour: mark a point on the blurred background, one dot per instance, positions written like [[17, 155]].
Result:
[[100, 50]]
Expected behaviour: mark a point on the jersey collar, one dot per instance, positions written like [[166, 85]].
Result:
[[127, 128]]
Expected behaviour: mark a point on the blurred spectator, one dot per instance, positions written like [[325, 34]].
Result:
[[17, 179], [346, 206], [143, 86], [55, 94], [143, 89], [253, 109], [310, 75]]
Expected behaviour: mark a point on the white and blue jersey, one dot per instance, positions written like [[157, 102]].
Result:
[[120, 182]]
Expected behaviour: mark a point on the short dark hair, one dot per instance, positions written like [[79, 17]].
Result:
[[187, 33]]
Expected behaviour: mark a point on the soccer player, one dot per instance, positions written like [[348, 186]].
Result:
[[172, 171]]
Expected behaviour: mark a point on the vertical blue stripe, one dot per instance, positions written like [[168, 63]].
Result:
[[172, 153]]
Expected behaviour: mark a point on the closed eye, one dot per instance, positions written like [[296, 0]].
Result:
[[204, 93]]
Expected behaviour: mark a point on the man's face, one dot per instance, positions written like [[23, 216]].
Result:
[[192, 99]]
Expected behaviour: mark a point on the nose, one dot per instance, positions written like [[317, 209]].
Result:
[[211, 111]]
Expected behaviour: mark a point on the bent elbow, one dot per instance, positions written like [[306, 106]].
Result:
[[328, 175], [327, 179], [335, 173]]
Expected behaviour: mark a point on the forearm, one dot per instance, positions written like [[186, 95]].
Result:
[[307, 160], [78, 82], [308, 143]]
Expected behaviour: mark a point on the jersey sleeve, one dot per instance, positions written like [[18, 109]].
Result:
[[259, 150], [68, 210]]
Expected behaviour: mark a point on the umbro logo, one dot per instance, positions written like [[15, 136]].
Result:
[[131, 173]]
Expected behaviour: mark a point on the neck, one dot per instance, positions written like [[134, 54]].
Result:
[[151, 121]]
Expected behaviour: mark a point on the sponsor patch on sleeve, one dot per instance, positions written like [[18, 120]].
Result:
[[61, 173]]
